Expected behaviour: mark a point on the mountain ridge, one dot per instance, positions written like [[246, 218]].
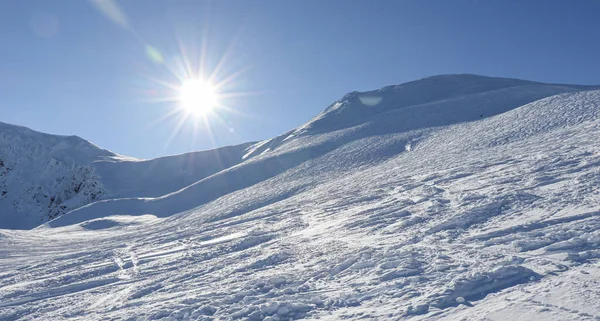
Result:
[[265, 160], [105, 175]]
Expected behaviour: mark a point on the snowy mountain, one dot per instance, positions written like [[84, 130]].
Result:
[[44, 176], [452, 197]]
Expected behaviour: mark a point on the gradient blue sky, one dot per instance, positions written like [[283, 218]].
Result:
[[65, 68]]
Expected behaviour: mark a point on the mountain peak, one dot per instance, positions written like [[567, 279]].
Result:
[[441, 95]]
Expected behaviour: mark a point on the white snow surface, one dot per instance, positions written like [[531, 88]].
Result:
[[480, 201]]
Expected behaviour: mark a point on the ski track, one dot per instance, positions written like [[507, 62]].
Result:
[[511, 215]]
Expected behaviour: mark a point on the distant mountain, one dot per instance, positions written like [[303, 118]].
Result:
[[43, 176]]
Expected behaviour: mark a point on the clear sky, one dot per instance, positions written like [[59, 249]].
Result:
[[72, 67]]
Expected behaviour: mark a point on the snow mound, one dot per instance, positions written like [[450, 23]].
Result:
[[116, 221]]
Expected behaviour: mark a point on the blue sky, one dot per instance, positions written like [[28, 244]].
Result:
[[65, 68]]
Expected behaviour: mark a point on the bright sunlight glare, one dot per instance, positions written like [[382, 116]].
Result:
[[197, 97]]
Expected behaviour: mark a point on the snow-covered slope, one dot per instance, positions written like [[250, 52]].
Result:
[[160, 176], [460, 99], [44, 176], [429, 211]]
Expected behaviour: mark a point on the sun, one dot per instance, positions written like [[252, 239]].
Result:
[[198, 97], [199, 93]]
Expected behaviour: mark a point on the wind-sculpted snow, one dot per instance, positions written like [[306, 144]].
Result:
[[460, 219]]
